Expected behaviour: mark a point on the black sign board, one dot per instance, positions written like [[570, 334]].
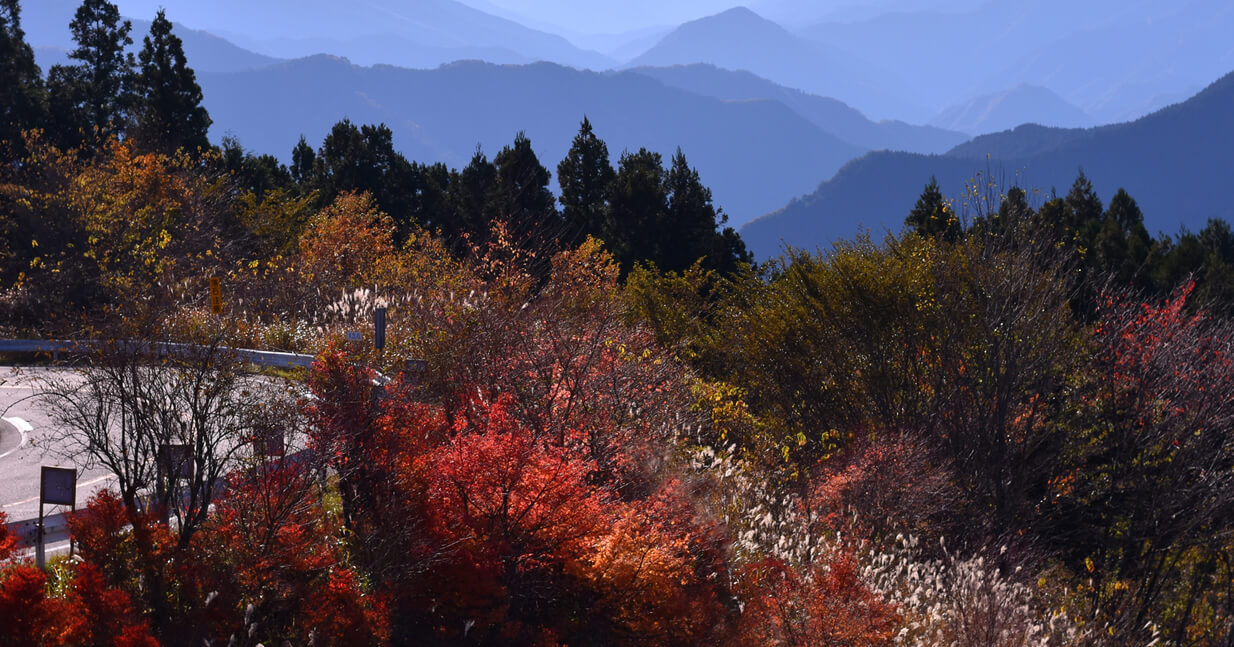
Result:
[[379, 328], [268, 442], [175, 462], [58, 486]]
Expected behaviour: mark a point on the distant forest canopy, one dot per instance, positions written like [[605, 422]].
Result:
[[1008, 426]]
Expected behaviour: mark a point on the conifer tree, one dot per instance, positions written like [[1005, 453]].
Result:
[[23, 99], [639, 203], [932, 216], [169, 112], [585, 176], [96, 95], [303, 157], [690, 222], [469, 198], [521, 195]]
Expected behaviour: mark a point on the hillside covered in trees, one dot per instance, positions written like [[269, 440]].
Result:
[[1006, 429]]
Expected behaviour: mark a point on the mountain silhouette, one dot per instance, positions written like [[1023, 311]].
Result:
[[831, 115], [1175, 162], [1004, 110], [739, 39], [426, 34], [755, 155]]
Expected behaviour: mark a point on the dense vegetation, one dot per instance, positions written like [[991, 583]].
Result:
[[1005, 427]]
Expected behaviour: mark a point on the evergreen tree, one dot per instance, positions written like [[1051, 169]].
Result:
[[469, 199], [521, 196], [585, 176], [169, 112], [1122, 245], [363, 159], [96, 95], [429, 196], [23, 99], [932, 216], [689, 229], [639, 203], [303, 158]]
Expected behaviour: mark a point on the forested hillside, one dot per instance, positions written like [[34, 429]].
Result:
[[1170, 160], [593, 421]]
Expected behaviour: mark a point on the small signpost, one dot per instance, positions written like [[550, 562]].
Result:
[[268, 442], [379, 328], [216, 295], [57, 486], [175, 464], [354, 336]]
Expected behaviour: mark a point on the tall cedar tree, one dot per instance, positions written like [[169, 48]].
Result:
[[23, 99], [586, 176], [169, 113], [639, 202], [97, 94], [690, 226], [468, 199], [521, 196]]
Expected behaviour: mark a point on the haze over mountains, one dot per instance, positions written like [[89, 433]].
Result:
[[754, 154], [1176, 164], [767, 100]]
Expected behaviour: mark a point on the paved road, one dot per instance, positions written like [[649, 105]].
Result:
[[21, 452]]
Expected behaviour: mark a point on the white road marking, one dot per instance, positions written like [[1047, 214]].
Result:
[[23, 428], [20, 423]]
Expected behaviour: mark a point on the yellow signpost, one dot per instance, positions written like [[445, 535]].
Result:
[[216, 295]]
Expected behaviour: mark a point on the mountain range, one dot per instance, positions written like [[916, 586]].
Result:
[[764, 109], [1175, 162], [755, 154], [831, 115], [1023, 104], [739, 39]]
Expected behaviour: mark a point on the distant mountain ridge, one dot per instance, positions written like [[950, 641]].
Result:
[[755, 155], [375, 31], [1023, 104], [831, 115], [1175, 162], [740, 39], [46, 24]]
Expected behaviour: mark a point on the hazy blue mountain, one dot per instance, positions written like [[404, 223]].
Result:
[[1114, 59], [797, 14], [739, 39], [1007, 109], [755, 155], [831, 115], [1024, 141], [46, 24], [1115, 70], [294, 28], [1175, 162]]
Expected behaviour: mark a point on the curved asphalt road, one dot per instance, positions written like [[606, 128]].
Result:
[[22, 453]]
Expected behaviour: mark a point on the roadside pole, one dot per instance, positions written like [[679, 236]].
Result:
[[57, 486]]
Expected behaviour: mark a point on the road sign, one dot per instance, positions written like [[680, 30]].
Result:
[[379, 328], [354, 335], [58, 486], [269, 442], [216, 295], [175, 462]]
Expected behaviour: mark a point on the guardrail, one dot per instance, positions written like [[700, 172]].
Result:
[[263, 358]]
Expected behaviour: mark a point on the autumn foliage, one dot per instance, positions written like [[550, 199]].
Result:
[[914, 442]]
